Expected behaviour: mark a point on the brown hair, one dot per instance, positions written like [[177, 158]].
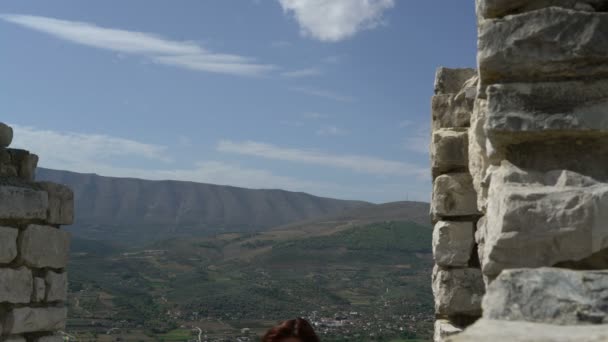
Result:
[[297, 328]]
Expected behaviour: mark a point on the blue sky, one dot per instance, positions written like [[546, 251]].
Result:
[[329, 97]]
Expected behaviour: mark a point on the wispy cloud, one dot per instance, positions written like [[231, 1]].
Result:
[[356, 163], [308, 72], [335, 20], [314, 116], [324, 94], [331, 130], [75, 150], [182, 54]]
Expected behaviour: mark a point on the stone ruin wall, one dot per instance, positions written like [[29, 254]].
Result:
[[33, 248], [520, 177]]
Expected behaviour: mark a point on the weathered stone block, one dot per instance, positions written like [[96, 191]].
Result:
[[26, 320], [61, 203], [449, 150], [15, 285], [50, 338], [537, 219], [451, 81], [444, 329], [501, 8], [56, 286], [453, 195], [453, 243], [457, 291], [548, 295], [43, 246], [543, 45], [22, 203], [39, 289], [479, 161], [15, 339], [485, 330], [25, 162], [520, 111], [6, 135], [8, 244]]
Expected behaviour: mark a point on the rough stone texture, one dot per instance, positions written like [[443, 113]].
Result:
[[539, 110], [477, 156], [52, 338], [43, 246], [548, 295], [57, 286], [453, 243], [22, 203], [39, 290], [451, 81], [7, 169], [453, 195], [457, 291], [444, 329], [25, 320], [61, 203], [501, 8], [449, 150], [539, 219], [8, 244], [486, 330], [15, 339], [15, 285], [25, 162], [6, 135], [543, 45]]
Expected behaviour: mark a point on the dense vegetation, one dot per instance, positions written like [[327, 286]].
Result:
[[375, 273]]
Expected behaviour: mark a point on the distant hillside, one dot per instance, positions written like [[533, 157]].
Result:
[[134, 210]]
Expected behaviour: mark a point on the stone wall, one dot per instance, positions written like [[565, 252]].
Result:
[[457, 279], [538, 167], [33, 248]]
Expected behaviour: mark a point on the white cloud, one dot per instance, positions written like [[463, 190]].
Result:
[[356, 163], [331, 130], [81, 151], [335, 20], [324, 94], [302, 73], [176, 53]]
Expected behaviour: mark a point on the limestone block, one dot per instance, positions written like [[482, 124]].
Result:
[[25, 162], [451, 81], [7, 169], [453, 195], [15, 339], [6, 135], [57, 286], [39, 289], [43, 246], [500, 8], [50, 338], [537, 219], [520, 111], [449, 150], [61, 203], [8, 244], [453, 243], [457, 291], [22, 203], [444, 329], [26, 320], [543, 45], [485, 330], [477, 155], [548, 295], [15, 285]]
